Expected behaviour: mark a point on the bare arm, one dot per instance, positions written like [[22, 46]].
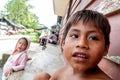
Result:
[[58, 74]]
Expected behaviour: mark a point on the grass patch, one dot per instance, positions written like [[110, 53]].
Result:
[[35, 40]]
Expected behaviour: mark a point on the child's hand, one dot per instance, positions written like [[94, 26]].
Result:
[[29, 58], [9, 72]]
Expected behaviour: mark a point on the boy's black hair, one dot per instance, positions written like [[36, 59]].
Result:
[[92, 17]]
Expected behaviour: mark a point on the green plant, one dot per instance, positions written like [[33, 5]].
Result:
[[36, 38], [38, 34], [4, 58]]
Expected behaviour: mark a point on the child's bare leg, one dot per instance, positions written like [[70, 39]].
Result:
[[42, 76]]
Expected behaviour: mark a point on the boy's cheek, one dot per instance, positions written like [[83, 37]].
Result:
[[106, 50]]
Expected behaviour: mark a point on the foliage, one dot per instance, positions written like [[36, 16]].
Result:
[[36, 38], [38, 34], [18, 10], [4, 58]]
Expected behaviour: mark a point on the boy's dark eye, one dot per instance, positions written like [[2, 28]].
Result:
[[74, 36], [93, 38]]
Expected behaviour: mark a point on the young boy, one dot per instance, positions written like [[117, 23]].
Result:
[[85, 42]]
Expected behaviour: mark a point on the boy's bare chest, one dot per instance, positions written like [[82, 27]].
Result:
[[68, 77]]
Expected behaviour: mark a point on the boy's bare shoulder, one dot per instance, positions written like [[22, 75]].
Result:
[[42, 76], [59, 73]]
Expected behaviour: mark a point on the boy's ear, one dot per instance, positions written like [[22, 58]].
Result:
[[62, 43], [106, 50]]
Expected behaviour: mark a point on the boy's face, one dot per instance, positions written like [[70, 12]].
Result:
[[84, 46], [21, 45]]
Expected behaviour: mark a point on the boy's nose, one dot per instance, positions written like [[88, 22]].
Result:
[[82, 43]]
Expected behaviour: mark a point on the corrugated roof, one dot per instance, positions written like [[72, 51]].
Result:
[[13, 23]]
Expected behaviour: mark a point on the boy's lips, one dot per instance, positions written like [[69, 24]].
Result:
[[79, 56]]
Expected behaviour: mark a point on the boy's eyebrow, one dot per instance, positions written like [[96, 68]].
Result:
[[74, 30], [90, 31], [94, 31]]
